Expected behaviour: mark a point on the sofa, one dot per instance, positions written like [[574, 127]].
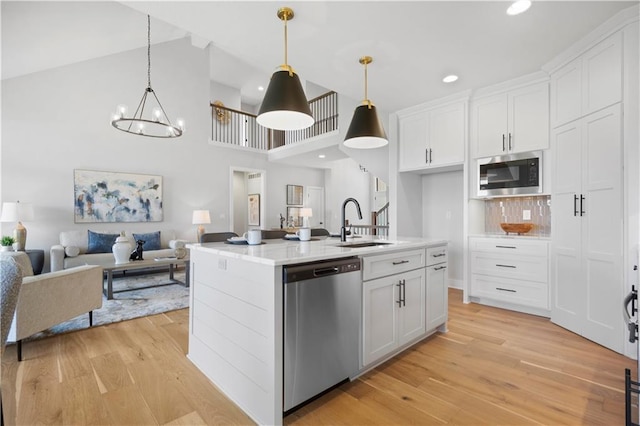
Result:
[[87, 247]]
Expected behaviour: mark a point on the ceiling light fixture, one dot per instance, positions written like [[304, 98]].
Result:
[[518, 7], [285, 106], [450, 78], [322, 156], [365, 130], [156, 124]]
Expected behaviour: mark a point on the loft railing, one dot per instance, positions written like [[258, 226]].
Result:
[[240, 128], [324, 110]]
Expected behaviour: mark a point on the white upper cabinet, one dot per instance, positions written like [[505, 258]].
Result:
[[433, 137], [589, 83], [515, 121]]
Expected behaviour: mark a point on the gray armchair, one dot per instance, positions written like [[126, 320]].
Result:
[[49, 299]]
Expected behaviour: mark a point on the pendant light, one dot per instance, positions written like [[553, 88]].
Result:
[[285, 106], [365, 130], [155, 124]]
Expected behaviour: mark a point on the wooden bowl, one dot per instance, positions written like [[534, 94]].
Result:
[[517, 228]]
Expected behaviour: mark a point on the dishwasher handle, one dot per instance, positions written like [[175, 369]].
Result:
[[322, 272]]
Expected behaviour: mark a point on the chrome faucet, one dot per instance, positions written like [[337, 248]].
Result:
[[343, 229]]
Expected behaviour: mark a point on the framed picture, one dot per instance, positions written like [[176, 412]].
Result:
[[294, 195], [254, 209], [116, 197], [293, 216]]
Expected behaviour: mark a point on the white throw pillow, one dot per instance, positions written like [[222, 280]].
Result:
[[72, 251]]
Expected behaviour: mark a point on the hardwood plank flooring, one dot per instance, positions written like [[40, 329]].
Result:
[[492, 367]]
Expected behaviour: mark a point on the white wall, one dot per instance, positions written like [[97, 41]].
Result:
[[229, 96], [344, 180], [57, 120], [442, 207]]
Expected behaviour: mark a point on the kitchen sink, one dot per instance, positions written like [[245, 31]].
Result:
[[364, 244]]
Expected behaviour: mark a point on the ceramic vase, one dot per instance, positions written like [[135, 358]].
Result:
[[121, 250]]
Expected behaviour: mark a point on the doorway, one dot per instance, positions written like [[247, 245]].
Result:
[[247, 203], [314, 198]]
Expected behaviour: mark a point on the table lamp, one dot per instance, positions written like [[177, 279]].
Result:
[[305, 214], [201, 217], [18, 212]]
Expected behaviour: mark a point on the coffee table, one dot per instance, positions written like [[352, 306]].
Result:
[[151, 264]]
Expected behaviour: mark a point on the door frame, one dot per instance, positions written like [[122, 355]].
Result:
[[263, 198]]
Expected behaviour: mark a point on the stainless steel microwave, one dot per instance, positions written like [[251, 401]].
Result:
[[512, 174]]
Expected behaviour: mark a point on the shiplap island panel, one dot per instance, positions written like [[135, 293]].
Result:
[[236, 313]]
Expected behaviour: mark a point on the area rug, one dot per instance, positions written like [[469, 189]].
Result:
[[138, 302]]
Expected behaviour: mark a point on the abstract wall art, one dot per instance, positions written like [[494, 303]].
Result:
[[116, 197]]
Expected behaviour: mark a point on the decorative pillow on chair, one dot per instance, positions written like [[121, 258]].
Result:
[[101, 243], [72, 251], [151, 240]]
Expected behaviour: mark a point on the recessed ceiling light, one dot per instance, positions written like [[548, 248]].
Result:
[[261, 88], [450, 78], [518, 7], [321, 156]]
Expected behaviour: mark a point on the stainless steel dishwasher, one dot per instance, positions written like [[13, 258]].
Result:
[[322, 306]]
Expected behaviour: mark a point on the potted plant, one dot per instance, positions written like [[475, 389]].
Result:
[[6, 243]]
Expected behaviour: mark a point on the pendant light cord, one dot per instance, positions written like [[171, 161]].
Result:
[[149, 52], [366, 96]]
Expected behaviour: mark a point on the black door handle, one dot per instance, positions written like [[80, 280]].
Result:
[[503, 138], [581, 208], [575, 205]]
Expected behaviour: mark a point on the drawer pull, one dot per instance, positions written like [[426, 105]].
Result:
[[505, 266], [437, 268], [506, 289], [509, 247], [400, 262], [438, 255]]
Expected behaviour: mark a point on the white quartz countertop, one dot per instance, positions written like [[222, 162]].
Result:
[[287, 252]]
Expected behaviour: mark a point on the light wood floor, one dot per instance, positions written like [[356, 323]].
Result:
[[492, 367]]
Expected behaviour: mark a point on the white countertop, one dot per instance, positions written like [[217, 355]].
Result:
[[286, 252]]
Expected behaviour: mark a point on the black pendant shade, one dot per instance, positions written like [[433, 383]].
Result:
[[365, 130], [285, 106]]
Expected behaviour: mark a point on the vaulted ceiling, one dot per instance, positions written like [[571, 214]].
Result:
[[414, 44]]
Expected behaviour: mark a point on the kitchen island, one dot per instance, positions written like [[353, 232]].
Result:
[[236, 309]]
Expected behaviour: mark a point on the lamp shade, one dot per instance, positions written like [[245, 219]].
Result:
[[285, 106], [365, 130], [16, 212], [306, 212], [201, 217]]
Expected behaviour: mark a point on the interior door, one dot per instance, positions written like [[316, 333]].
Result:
[[315, 199]]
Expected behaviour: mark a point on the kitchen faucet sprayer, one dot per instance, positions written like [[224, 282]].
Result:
[[343, 229]]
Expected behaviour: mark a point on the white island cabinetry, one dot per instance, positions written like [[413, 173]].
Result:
[[236, 322], [404, 300]]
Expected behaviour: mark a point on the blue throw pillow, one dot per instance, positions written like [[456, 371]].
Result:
[[151, 240], [101, 243]]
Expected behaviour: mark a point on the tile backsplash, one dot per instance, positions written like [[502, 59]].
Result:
[[511, 209]]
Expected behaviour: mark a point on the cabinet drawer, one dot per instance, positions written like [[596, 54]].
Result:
[[392, 263], [527, 293], [436, 255], [509, 246], [510, 266]]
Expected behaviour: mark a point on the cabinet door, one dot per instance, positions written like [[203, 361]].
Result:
[[565, 93], [446, 135], [602, 243], [437, 296], [411, 312], [602, 75], [489, 126], [568, 297], [528, 118], [379, 318], [413, 141]]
